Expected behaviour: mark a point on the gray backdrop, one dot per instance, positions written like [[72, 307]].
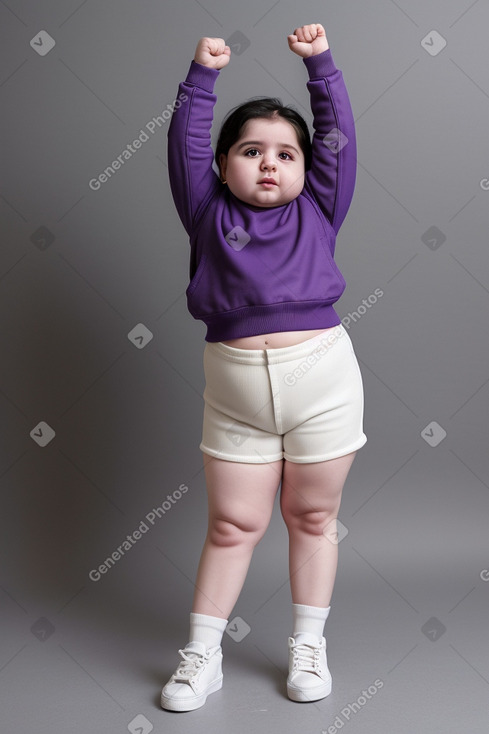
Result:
[[101, 372]]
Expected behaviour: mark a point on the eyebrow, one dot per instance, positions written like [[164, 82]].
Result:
[[260, 142]]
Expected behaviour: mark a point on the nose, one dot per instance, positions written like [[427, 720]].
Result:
[[268, 163]]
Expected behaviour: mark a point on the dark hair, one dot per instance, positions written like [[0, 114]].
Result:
[[264, 107]]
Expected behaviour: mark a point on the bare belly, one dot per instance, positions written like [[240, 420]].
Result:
[[276, 340]]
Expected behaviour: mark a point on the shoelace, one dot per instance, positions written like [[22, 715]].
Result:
[[189, 666], [306, 658]]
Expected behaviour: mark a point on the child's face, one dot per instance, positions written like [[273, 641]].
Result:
[[266, 149]]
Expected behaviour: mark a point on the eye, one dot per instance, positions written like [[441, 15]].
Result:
[[251, 150], [289, 157]]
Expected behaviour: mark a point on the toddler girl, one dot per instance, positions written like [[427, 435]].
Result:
[[284, 393]]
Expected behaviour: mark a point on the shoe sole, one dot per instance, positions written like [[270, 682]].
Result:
[[314, 694], [190, 704]]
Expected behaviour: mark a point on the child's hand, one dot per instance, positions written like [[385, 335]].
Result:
[[308, 40], [212, 52]]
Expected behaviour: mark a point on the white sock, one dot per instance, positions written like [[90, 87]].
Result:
[[309, 620], [206, 629]]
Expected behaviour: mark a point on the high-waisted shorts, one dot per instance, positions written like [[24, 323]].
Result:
[[303, 403]]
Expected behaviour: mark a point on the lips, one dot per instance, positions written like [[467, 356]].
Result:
[[268, 181]]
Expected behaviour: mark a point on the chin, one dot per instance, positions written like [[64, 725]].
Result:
[[252, 200]]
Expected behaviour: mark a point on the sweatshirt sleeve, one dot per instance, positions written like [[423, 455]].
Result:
[[331, 179], [192, 178]]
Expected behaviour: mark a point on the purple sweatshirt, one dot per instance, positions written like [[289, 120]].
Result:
[[257, 270]]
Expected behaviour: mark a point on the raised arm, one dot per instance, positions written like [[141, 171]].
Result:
[[190, 155], [331, 179]]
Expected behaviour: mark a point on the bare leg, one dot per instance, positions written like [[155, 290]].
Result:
[[310, 500], [240, 498]]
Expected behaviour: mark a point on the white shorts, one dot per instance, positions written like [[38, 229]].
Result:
[[302, 403]]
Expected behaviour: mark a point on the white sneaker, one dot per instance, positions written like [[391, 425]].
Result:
[[197, 675], [309, 678]]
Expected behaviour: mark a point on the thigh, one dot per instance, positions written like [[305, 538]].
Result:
[[240, 493], [314, 487]]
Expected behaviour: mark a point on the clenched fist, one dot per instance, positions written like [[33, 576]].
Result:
[[212, 52], [308, 40]]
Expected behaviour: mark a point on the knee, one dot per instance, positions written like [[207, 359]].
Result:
[[310, 522], [229, 533]]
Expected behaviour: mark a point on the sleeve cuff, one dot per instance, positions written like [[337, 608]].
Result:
[[202, 76], [320, 65]]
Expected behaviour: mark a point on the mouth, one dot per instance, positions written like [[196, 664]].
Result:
[[268, 182]]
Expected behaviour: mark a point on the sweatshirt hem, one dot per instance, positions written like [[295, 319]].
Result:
[[255, 320]]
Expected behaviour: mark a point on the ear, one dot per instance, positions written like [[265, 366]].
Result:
[[223, 160]]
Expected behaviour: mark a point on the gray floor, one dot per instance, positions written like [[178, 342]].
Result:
[[407, 635]]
